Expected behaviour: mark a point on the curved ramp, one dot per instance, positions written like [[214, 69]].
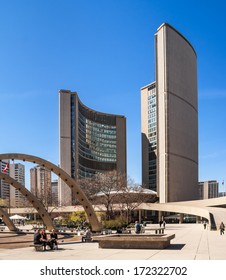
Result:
[[76, 190]]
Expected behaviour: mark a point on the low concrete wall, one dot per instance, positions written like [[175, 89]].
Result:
[[139, 241]]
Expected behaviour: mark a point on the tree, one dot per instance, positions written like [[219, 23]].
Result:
[[132, 196], [102, 188], [79, 218], [3, 203]]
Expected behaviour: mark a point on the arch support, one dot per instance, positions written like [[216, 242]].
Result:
[[5, 217], [31, 198], [76, 190]]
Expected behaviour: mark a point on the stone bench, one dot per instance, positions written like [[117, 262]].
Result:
[[134, 241], [37, 247]]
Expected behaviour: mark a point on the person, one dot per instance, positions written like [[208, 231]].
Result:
[[222, 228], [137, 227], [160, 223], [87, 236], [164, 223], [45, 240], [54, 237], [204, 224], [38, 238]]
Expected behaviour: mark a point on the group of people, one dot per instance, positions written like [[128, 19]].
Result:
[[40, 237]]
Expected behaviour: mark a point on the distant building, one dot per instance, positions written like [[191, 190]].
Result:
[[54, 186], [149, 136], [4, 187], [90, 142], [40, 182], [169, 120], [208, 189], [17, 172]]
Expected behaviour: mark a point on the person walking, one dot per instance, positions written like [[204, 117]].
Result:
[[222, 228], [204, 224]]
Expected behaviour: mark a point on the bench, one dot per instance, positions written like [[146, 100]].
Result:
[[134, 241], [38, 247], [87, 239]]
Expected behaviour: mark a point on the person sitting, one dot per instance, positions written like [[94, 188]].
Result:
[[39, 240], [54, 237], [137, 227], [45, 240], [87, 236]]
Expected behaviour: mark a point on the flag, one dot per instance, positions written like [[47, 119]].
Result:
[[6, 167]]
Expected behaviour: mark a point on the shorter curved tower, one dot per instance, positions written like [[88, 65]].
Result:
[[90, 142]]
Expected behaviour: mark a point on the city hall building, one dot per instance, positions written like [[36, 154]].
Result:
[[169, 120], [90, 142]]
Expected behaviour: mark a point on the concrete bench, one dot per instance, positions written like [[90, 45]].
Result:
[[134, 241], [87, 239], [37, 247]]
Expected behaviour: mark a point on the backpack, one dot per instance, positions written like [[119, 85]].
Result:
[[137, 228]]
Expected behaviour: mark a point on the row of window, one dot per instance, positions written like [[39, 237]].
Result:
[[152, 101], [106, 157], [151, 106], [97, 136], [86, 121], [151, 115], [151, 134], [98, 149], [152, 120], [151, 96]]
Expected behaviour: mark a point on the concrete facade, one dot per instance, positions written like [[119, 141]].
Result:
[[149, 136], [17, 171], [40, 182], [208, 189], [169, 120], [177, 117], [90, 142]]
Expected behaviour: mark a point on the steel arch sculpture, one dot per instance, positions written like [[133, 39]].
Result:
[[31, 198], [5, 217], [76, 190]]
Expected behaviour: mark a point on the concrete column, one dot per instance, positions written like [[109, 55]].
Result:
[[139, 213], [198, 219], [160, 216], [181, 218]]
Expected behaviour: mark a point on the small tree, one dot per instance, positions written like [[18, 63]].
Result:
[[79, 218], [3, 202]]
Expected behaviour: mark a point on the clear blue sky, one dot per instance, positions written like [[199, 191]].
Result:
[[104, 50]]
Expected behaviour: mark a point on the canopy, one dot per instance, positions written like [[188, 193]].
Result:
[[18, 217]]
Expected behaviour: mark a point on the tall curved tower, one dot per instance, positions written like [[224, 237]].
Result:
[[90, 141], [177, 116]]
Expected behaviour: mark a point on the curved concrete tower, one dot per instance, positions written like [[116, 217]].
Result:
[[177, 116]]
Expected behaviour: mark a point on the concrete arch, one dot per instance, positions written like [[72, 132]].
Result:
[[5, 217], [76, 190], [31, 198]]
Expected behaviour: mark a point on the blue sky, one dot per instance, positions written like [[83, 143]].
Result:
[[104, 50]]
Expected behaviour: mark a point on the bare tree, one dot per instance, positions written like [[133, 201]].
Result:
[[132, 196], [103, 188]]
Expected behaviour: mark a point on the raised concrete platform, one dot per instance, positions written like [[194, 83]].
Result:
[[191, 242], [132, 241]]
